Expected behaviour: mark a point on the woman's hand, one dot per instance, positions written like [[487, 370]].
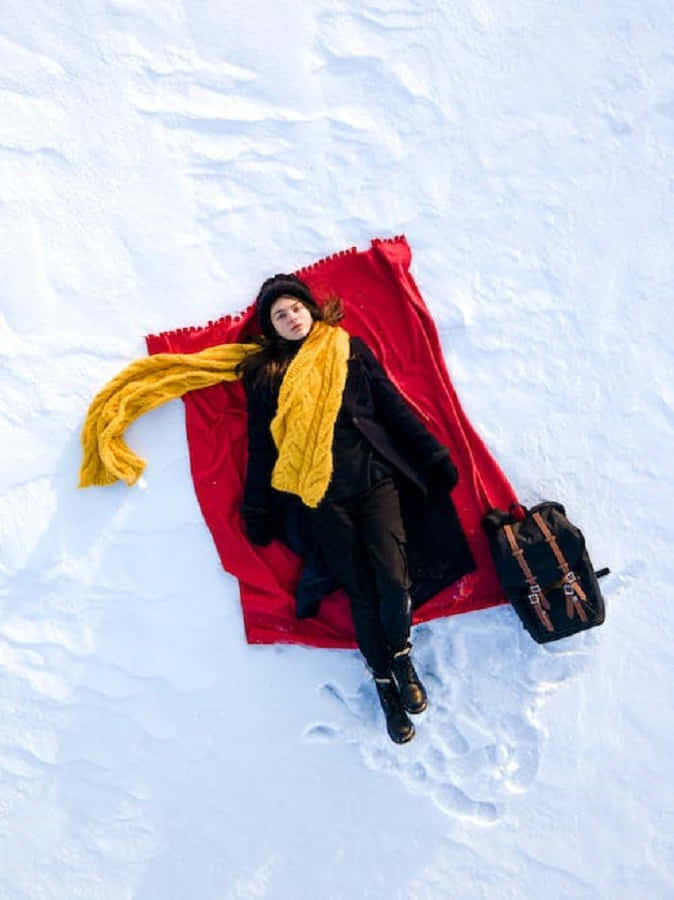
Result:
[[259, 525]]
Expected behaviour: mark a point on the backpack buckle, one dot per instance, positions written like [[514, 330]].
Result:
[[569, 580], [535, 592]]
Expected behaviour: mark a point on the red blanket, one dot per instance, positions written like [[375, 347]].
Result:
[[383, 305]]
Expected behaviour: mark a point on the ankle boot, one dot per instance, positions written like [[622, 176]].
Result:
[[398, 725], [412, 691]]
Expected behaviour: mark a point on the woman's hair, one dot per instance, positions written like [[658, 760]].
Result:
[[266, 366]]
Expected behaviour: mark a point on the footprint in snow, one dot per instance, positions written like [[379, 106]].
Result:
[[479, 742]]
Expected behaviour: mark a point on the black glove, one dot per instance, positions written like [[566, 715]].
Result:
[[259, 525], [442, 475]]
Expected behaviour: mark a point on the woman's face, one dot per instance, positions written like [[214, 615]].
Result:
[[290, 318]]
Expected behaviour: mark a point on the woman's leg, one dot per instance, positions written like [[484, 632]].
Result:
[[336, 529], [384, 537]]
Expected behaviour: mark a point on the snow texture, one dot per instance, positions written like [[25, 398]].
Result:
[[159, 160]]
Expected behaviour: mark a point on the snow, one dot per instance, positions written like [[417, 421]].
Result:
[[159, 160]]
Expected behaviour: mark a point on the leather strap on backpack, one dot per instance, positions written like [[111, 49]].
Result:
[[536, 597], [574, 594]]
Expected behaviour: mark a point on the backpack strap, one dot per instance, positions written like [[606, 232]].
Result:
[[536, 597], [573, 592]]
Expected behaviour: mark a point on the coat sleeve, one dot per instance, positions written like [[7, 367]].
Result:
[[262, 451], [397, 416]]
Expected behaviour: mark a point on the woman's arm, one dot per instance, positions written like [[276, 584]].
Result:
[[256, 507], [400, 420]]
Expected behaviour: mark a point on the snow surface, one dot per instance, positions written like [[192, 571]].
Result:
[[159, 160]]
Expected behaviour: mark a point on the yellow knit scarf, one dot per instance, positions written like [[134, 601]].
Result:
[[302, 429]]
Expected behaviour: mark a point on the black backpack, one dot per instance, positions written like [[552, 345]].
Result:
[[545, 570]]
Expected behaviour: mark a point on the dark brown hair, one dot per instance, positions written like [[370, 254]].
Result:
[[267, 366]]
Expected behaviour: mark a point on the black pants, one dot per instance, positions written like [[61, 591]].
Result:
[[363, 542]]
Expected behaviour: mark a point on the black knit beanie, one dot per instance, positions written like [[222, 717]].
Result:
[[275, 287]]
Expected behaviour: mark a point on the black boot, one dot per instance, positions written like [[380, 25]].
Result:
[[398, 725], [412, 691]]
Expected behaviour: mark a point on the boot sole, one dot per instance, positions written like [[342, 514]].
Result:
[[405, 740], [416, 712]]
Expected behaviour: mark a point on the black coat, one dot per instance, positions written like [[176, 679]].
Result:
[[437, 549]]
